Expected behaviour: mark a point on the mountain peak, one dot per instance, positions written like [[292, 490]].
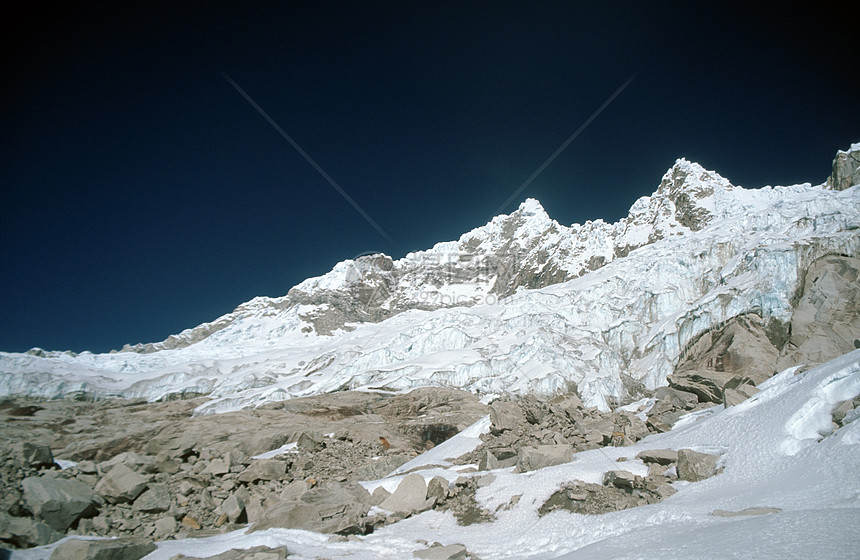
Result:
[[532, 207]]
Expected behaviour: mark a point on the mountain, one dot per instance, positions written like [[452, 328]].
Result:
[[702, 275]]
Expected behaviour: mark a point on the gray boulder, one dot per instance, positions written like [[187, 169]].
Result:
[[140, 463], [708, 385], [234, 508], [33, 455], [332, 508], [124, 548], [449, 552], [505, 416], [694, 466], [541, 456], [659, 456], [24, 532], [264, 469], [155, 499], [310, 442], [620, 479], [121, 484], [58, 501], [410, 495]]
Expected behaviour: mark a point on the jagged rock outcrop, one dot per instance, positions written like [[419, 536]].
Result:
[[846, 169]]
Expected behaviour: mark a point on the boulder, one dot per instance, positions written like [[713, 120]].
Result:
[[310, 442], [217, 467], [165, 527], [620, 479], [707, 385], [33, 455], [144, 464], [842, 409], [488, 462], [505, 416], [121, 484], [541, 456], [449, 552], [745, 512], [437, 488], [234, 508], [24, 532], [58, 501], [659, 456], [669, 398], [733, 397], [410, 495], [155, 499], [254, 553], [124, 548], [332, 508], [379, 495], [694, 466], [263, 469]]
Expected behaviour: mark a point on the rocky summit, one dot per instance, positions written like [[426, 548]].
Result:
[[689, 375]]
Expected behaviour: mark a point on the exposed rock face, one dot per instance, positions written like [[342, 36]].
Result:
[[826, 320], [846, 169]]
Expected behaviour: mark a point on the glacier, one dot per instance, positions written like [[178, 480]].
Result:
[[520, 305]]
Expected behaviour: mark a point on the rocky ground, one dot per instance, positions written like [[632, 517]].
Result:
[[154, 471]]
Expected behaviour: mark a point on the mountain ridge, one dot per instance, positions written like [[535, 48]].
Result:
[[616, 311]]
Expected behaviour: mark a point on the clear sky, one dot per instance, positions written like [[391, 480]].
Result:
[[142, 194]]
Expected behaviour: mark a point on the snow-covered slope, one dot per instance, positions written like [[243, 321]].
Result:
[[613, 304]]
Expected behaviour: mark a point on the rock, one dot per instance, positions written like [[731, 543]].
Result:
[[659, 456], [694, 466], [620, 479], [541, 456], [144, 464], [58, 501], [165, 527], [449, 552], [234, 508], [841, 410], [124, 548], [733, 397], [264, 469], [674, 398], [24, 532], [707, 385], [846, 170], [121, 484], [745, 512], [504, 416], [437, 488], [155, 499], [191, 522], [410, 495], [87, 467], [217, 467], [310, 442], [379, 495], [34, 456], [333, 508], [255, 553], [826, 320], [164, 463], [488, 462]]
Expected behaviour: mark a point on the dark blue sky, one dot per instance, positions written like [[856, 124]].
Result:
[[143, 195]]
